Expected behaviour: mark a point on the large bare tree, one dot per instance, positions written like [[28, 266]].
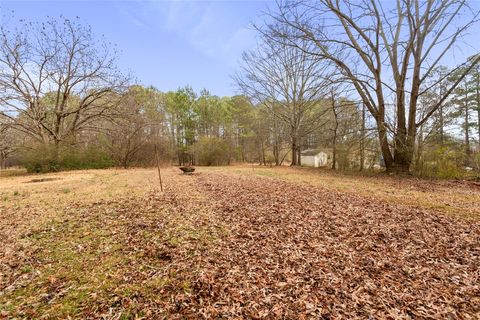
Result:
[[386, 50], [290, 83], [56, 79]]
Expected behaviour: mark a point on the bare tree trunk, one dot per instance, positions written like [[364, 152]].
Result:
[[442, 125], [467, 133], [418, 157], [478, 126], [56, 151], [275, 153], [383, 139], [263, 155], [294, 145], [276, 142], [362, 140], [404, 144], [294, 154], [335, 128], [157, 160], [403, 155], [477, 96], [3, 161]]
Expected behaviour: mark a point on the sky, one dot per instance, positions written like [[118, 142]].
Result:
[[171, 44], [167, 44]]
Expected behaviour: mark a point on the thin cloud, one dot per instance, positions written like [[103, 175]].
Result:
[[208, 27]]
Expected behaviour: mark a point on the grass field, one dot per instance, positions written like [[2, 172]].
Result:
[[237, 242]]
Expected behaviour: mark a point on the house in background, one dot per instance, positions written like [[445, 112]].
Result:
[[314, 158]]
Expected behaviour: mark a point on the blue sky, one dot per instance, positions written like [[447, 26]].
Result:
[[167, 44], [170, 44]]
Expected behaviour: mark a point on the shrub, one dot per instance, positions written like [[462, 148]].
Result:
[[89, 158], [212, 151], [39, 158], [44, 158], [444, 163]]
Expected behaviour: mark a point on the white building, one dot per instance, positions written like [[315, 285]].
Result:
[[314, 158]]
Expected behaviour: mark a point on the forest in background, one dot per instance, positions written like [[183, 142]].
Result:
[[64, 104]]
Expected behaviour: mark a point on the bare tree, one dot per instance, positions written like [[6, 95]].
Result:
[[386, 51], [8, 141], [56, 79], [126, 133], [290, 83]]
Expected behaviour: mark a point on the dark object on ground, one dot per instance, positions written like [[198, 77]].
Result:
[[42, 180], [187, 169]]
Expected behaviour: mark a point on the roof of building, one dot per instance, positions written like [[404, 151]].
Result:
[[312, 152]]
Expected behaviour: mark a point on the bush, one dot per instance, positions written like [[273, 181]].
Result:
[[90, 158], [444, 163], [210, 151], [44, 158], [39, 158], [476, 161]]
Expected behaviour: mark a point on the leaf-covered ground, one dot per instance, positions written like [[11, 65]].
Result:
[[228, 244]]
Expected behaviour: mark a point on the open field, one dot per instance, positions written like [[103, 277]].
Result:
[[237, 242]]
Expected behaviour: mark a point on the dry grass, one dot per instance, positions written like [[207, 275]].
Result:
[[60, 236], [107, 244]]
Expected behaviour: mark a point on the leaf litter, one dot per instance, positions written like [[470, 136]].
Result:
[[226, 246]]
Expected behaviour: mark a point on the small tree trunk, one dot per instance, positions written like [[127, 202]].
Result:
[[478, 125], [418, 156], [362, 140], [157, 160], [467, 133], [442, 125], [477, 91], [334, 141], [263, 155]]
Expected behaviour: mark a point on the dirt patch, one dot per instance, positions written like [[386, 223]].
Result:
[[43, 180]]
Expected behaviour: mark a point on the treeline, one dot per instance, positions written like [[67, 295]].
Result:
[[385, 58], [65, 105], [365, 92], [186, 127]]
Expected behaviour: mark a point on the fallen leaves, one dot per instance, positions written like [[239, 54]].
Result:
[[301, 250], [222, 245]]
